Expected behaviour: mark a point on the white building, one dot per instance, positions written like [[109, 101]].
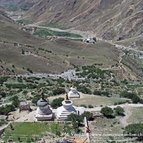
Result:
[[90, 40], [43, 112], [73, 93], [66, 109]]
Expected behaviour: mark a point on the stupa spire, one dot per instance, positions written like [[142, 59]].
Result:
[[66, 98]]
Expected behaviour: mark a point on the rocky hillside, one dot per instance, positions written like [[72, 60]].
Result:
[[21, 52], [17, 4], [10, 31], [109, 19]]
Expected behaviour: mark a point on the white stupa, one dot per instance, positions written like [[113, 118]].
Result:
[[43, 112], [68, 108], [65, 110], [73, 93]]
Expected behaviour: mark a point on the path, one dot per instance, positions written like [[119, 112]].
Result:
[[84, 34], [97, 109], [128, 113]]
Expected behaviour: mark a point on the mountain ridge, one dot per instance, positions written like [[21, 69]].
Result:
[[109, 19]]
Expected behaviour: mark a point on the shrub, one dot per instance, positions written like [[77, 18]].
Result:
[[3, 79], [58, 91], [76, 121], [3, 94], [119, 111], [29, 70], [133, 96], [15, 101], [135, 129], [90, 106], [107, 112], [23, 52], [35, 99], [57, 102], [4, 110], [84, 89], [88, 115], [82, 105]]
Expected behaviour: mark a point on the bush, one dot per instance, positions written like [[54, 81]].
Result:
[[90, 106], [58, 91], [57, 102], [15, 101], [3, 79], [20, 86], [101, 93], [82, 105], [133, 96], [135, 129], [76, 121], [3, 94], [35, 99], [88, 115], [29, 70], [121, 102], [107, 112], [119, 111], [4, 110], [84, 89], [97, 92]]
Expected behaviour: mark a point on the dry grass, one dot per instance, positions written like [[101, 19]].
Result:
[[92, 100], [63, 55], [136, 116]]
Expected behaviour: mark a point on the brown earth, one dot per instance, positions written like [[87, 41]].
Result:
[[109, 19]]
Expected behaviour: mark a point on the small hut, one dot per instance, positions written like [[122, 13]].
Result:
[[24, 106]]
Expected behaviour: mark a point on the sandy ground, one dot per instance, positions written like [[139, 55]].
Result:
[[124, 119], [26, 116], [23, 116]]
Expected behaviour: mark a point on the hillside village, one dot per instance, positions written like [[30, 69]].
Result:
[[71, 71]]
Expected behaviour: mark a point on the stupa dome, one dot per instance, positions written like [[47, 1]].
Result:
[[42, 102], [66, 109], [73, 93], [44, 112]]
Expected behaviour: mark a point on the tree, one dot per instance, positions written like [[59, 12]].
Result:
[[84, 89], [3, 94], [23, 52], [57, 102], [133, 96], [58, 91], [88, 115], [90, 106], [15, 101], [4, 110], [119, 111], [76, 121], [35, 99], [136, 129], [107, 112]]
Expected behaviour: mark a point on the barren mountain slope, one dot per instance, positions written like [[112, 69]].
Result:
[[10, 31], [110, 19], [17, 4], [21, 52]]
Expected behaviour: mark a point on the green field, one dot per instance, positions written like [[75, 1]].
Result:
[[42, 32], [30, 132]]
